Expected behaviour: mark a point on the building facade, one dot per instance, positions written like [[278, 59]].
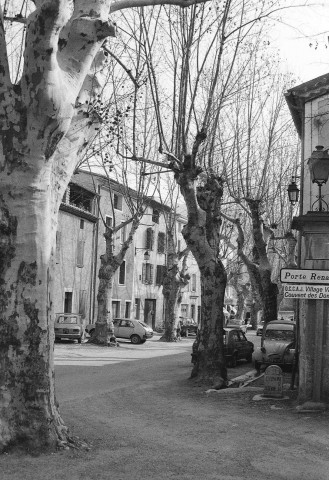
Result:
[[89, 205]]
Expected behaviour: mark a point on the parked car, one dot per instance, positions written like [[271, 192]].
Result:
[[237, 323], [69, 326], [260, 326], [236, 347], [277, 345], [188, 327], [135, 330]]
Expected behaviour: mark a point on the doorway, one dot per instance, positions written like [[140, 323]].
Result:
[[149, 312]]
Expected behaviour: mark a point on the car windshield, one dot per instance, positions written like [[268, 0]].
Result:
[[281, 335], [70, 320]]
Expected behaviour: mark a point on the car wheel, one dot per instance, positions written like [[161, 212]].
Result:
[[234, 360], [143, 341], [135, 339]]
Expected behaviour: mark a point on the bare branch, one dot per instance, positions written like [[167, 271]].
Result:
[[122, 4]]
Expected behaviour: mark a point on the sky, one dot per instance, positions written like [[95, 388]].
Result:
[[301, 26]]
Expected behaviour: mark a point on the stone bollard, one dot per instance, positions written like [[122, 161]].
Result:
[[273, 382]]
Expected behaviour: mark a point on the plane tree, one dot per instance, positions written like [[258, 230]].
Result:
[[193, 81], [260, 155], [45, 127]]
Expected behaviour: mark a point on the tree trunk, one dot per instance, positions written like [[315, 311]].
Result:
[[28, 409], [202, 236], [173, 282]]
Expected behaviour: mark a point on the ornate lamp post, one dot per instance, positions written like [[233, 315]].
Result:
[[293, 192], [318, 164], [314, 255]]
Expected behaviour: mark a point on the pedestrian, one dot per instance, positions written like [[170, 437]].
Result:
[[178, 331]]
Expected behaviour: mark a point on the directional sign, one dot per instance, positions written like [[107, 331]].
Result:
[[295, 275], [307, 292]]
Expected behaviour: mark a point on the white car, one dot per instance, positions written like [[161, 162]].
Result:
[[135, 330], [277, 345]]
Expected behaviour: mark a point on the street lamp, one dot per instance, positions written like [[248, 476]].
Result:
[[293, 191], [318, 164]]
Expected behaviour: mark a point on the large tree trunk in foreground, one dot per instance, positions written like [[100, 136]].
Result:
[[29, 415], [44, 128]]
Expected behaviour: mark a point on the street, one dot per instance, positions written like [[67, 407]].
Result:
[[71, 353], [144, 418]]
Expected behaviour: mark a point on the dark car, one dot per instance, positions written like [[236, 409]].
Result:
[[260, 326], [236, 347], [187, 330]]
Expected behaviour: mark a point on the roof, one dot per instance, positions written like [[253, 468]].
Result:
[[90, 180], [296, 97]]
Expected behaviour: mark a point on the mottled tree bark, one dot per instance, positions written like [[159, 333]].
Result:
[[202, 236], [109, 265], [175, 279]]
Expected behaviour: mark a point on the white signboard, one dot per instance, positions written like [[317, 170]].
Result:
[[307, 292], [295, 275]]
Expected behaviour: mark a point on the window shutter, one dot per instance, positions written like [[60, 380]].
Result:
[[161, 242], [158, 275], [144, 273], [151, 274], [149, 239], [122, 273]]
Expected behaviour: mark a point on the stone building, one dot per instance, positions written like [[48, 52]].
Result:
[[91, 203]]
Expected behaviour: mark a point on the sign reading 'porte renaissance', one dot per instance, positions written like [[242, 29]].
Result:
[[295, 275]]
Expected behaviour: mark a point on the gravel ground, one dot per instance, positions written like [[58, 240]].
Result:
[[145, 419]]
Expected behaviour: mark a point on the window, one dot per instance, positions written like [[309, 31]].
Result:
[[147, 273], [155, 216], [193, 282], [122, 273], [149, 239], [82, 224], [161, 242], [183, 309], [193, 311], [80, 253], [117, 201], [127, 309], [68, 296], [108, 221], [161, 271], [137, 308], [115, 309]]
